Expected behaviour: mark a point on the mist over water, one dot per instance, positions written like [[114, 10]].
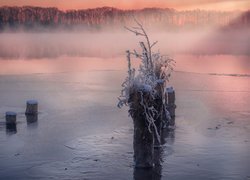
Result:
[[24, 45]]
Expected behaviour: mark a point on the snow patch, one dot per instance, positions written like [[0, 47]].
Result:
[[160, 81], [170, 89], [145, 88], [10, 113], [32, 102]]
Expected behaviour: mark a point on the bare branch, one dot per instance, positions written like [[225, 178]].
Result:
[[148, 42], [154, 44], [138, 28], [136, 54], [145, 52], [137, 22], [129, 66], [133, 31]]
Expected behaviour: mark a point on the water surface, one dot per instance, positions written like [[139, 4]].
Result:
[[81, 134]]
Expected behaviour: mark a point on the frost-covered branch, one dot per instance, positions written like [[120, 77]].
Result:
[[151, 77]]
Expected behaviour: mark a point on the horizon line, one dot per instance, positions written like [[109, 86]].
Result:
[[121, 9]]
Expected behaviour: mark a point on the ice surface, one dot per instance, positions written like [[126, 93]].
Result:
[[81, 134]]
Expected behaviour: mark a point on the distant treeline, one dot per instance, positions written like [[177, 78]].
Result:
[[14, 18]]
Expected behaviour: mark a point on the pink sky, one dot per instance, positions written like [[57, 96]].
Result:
[[225, 5]]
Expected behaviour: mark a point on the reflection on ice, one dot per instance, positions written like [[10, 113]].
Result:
[[32, 120], [155, 173], [11, 129], [146, 174]]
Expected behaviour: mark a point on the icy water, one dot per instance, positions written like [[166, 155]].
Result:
[[81, 134]]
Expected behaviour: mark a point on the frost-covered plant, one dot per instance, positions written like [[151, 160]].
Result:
[[151, 77]]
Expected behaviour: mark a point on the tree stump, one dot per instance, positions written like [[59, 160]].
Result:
[[10, 117], [31, 107], [158, 105], [143, 138], [143, 143]]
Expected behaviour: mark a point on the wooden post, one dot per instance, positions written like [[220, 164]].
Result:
[[31, 107], [10, 122], [170, 93], [143, 138], [143, 143], [158, 105], [10, 117]]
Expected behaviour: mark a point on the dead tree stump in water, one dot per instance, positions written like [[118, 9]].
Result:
[[31, 107], [143, 136], [147, 104]]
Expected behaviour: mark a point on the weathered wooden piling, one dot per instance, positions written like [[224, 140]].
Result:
[[170, 94], [158, 105], [10, 117], [31, 107], [143, 137], [171, 101], [143, 144]]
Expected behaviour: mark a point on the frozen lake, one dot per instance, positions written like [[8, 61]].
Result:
[[81, 134]]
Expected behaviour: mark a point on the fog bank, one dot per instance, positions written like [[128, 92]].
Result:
[[110, 44]]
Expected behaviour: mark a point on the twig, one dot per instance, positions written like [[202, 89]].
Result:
[[136, 32], [152, 45]]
